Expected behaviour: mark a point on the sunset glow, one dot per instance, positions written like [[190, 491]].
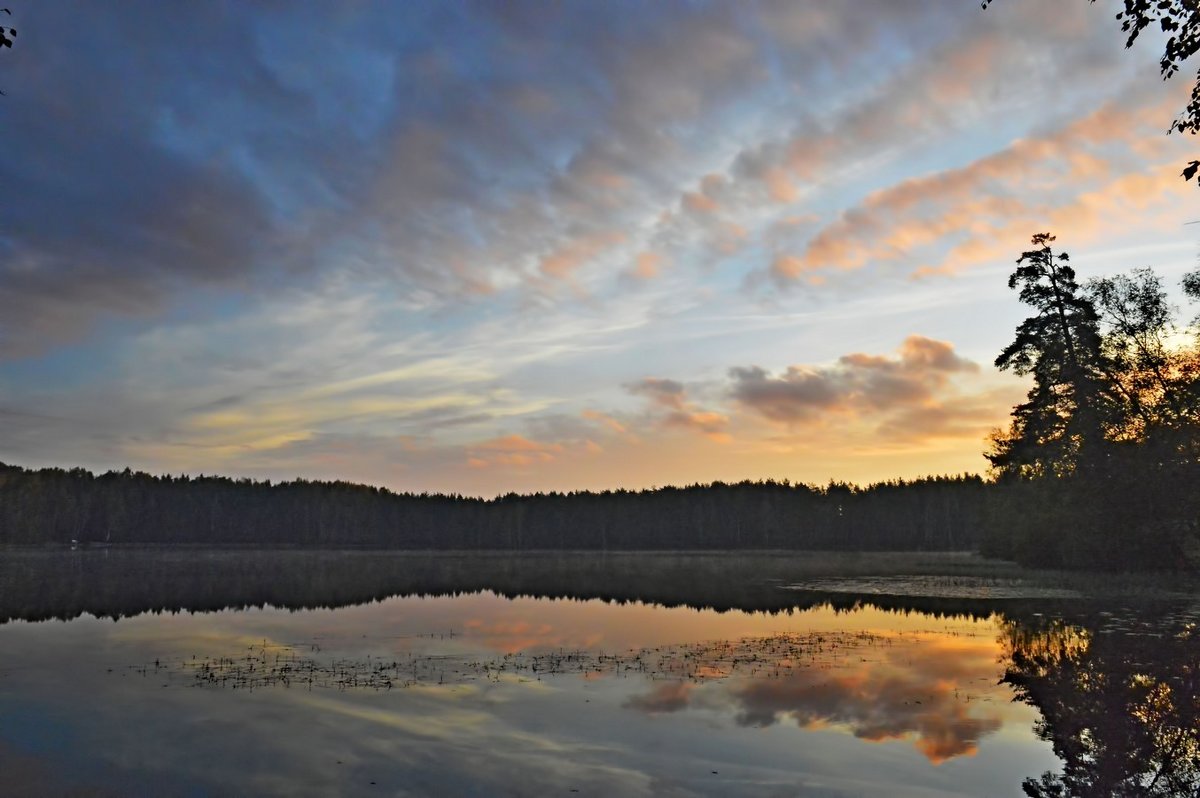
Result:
[[488, 248]]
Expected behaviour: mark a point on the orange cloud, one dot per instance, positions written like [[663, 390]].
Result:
[[512, 450], [787, 267], [779, 185], [1089, 216], [647, 265], [511, 637], [711, 424], [566, 259], [704, 201], [607, 420], [975, 209], [667, 393], [700, 203]]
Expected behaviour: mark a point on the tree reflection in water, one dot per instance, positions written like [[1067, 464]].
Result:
[[1119, 703]]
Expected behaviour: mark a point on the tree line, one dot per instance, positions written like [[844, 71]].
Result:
[[57, 506]]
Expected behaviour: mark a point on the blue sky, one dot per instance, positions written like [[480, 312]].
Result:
[[528, 246]]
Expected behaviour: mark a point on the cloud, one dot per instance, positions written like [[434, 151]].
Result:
[[913, 691], [916, 395], [511, 636], [963, 74], [797, 394], [169, 224], [217, 155], [779, 185], [512, 450], [120, 208], [676, 411], [452, 229], [789, 268], [225, 157], [608, 422], [1070, 178], [857, 384], [668, 393], [647, 265], [705, 199], [569, 257]]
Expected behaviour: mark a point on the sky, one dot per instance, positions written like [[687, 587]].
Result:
[[528, 246]]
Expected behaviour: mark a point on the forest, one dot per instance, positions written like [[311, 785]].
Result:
[[55, 506]]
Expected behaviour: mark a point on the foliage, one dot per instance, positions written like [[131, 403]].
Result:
[[1100, 467], [7, 35], [1154, 379], [1180, 21]]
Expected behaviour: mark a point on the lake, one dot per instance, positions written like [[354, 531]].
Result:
[[199, 672]]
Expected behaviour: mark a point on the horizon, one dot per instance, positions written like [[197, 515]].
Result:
[[268, 482], [489, 250]]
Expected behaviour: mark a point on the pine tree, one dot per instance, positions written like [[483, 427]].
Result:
[[1059, 429]]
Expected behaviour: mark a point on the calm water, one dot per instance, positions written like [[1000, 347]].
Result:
[[368, 674]]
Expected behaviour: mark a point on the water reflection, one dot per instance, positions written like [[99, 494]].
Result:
[[687, 675], [119, 583], [926, 687], [927, 695], [934, 688], [1119, 699], [513, 730]]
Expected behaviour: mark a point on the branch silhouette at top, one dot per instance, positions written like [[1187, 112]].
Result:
[[1180, 21]]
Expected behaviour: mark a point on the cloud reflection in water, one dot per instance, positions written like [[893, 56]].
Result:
[[923, 687]]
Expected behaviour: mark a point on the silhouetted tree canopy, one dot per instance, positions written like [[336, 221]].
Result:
[[1100, 467], [1059, 347], [8, 34]]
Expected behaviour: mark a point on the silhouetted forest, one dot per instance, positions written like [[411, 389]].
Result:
[[1100, 467], [55, 506]]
